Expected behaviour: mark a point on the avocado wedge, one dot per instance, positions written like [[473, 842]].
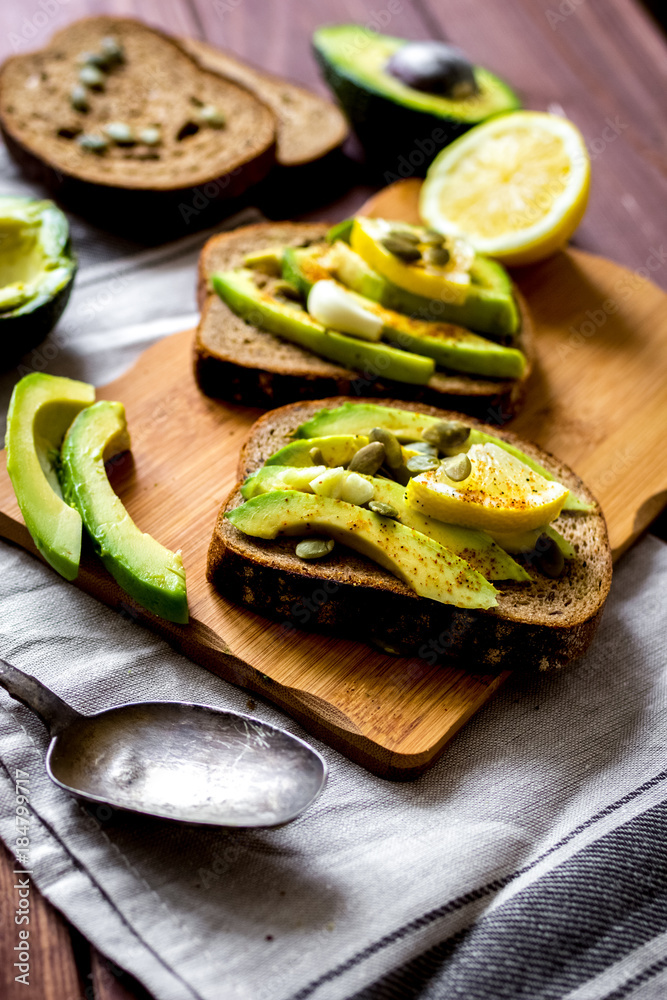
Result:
[[400, 127], [489, 307], [37, 269], [41, 409], [288, 320], [145, 569], [425, 565]]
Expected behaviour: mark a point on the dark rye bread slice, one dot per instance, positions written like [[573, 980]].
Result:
[[309, 126], [238, 362], [537, 625], [158, 84]]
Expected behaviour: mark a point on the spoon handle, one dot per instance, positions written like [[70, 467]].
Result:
[[54, 713]]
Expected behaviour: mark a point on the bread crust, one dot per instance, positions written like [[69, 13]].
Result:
[[266, 372], [540, 625], [138, 193], [309, 126]]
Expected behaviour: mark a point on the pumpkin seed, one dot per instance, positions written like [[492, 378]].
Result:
[[421, 463], [316, 456], [406, 235], [432, 239], [423, 447], [210, 115], [446, 434], [93, 143], [287, 290], [550, 560], [120, 133], [400, 248], [150, 136], [457, 467], [92, 59], [78, 98], [392, 449], [314, 548], [112, 50], [437, 256], [91, 76], [384, 509], [368, 459]]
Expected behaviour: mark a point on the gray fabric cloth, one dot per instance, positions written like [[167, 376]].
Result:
[[530, 861]]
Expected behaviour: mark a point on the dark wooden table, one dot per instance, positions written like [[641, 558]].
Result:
[[603, 62]]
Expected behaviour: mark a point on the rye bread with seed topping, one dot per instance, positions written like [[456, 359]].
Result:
[[239, 362], [157, 85], [309, 126], [538, 625]]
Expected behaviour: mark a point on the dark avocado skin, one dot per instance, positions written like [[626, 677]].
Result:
[[399, 141], [20, 334]]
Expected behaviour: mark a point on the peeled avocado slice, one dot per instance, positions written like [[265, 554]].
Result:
[[339, 449], [426, 566], [476, 547], [41, 409], [489, 307], [290, 321], [408, 425], [145, 569], [450, 346]]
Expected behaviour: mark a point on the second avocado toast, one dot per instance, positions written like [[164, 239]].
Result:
[[399, 576], [459, 338]]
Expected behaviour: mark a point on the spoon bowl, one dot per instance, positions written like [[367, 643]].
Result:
[[175, 760]]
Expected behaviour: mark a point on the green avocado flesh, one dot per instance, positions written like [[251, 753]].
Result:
[[147, 571], [490, 307], [450, 346], [337, 449], [476, 547], [37, 269], [400, 127], [408, 425], [41, 409], [288, 320], [426, 566]]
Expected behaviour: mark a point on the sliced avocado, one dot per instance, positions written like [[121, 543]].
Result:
[[425, 565], [524, 541], [490, 307], [408, 425], [339, 449], [37, 269], [41, 409], [476, 547], [401, 128], [290, 321], [268, 261], [146, 570]]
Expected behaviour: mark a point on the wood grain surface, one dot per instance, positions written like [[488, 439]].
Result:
[[605, 59]]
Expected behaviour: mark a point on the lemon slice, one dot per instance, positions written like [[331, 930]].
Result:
[[516, 186], [450, 284], [500, 494]]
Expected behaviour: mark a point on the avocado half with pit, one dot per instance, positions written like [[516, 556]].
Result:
[[402, 126], [37, 269]]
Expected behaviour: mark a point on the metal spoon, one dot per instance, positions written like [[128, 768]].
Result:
[[174, 760]]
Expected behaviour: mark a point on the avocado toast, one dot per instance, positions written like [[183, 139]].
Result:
[[535, 609], [469, 349]]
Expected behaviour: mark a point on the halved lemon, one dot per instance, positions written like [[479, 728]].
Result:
[[516, 186], [500, 494]]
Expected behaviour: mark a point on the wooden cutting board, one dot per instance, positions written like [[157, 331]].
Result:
[[596, 400]]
